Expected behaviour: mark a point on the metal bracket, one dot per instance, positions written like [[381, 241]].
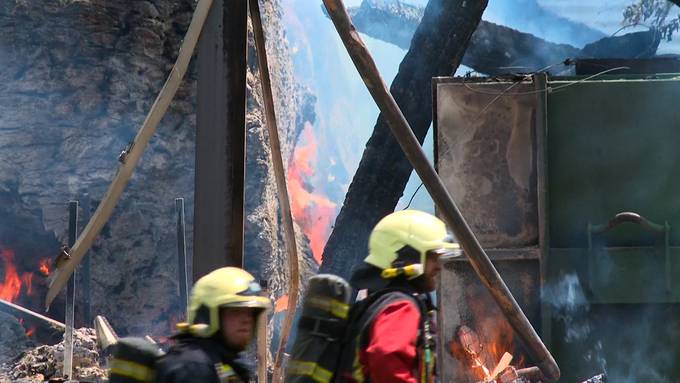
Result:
[[124, 153], [636, 219]]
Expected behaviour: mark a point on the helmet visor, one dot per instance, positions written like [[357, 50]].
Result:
[[447, 249]]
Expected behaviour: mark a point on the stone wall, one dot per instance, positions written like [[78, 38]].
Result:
[[77, 79]]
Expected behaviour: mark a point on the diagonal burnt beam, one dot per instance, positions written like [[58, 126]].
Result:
[[495, 49], [47, 330], [32, 316], [439, 44], [492, 49]]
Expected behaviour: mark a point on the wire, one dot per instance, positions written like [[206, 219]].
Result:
[[413, 196], [547, 89]]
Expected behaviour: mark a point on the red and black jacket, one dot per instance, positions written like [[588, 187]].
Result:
[[390, 339]]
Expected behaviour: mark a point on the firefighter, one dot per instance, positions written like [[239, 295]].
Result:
[[224, 308], [396, 331]]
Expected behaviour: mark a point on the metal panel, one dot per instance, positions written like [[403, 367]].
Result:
[[220, 139], [486, 157], [613, 148]]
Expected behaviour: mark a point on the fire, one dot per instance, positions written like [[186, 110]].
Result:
[[10, 288], [15, 282], [44, 266], [281, 304], [489, 343], [312, 211]]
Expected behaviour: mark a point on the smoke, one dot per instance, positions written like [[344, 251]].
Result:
[[624, 341], [531, 16]]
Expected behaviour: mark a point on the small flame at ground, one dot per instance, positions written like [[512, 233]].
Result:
[[488, 342], [313, 212]]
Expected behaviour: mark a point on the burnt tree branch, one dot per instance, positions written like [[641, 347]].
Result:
[[495, 49], [438, 47]]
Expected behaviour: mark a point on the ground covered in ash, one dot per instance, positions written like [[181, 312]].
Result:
[[43, 362]]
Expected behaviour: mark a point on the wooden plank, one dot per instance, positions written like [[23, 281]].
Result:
[[282, 190]]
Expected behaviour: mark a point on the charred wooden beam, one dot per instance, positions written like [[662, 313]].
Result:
[[220, 139], [634, 45], [47, 330], [496, 49], [439, 44], [493, 48]]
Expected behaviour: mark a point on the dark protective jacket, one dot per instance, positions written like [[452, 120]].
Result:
[[199, 360]]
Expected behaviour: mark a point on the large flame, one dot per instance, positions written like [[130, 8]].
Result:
[[313, 212], [13, 282], [10, 288]]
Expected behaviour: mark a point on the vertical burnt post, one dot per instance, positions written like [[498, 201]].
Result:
[[70, 293], [85, 275], [220, 138], [181, 255]]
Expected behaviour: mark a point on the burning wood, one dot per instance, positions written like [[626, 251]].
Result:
[[469, 348]]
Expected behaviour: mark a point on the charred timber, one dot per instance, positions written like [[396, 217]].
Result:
[[438, 47], [466, 14], [495, 49], [47, 330]]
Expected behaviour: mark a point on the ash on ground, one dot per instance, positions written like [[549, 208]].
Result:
[[45, 362]]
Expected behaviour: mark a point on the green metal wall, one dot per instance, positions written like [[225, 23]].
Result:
[[613, 147]]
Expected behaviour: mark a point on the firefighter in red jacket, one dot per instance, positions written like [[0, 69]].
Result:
[[397, 333]]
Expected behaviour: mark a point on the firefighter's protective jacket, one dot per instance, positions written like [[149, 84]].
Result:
[[199, 360]]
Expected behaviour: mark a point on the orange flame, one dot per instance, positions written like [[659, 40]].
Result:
[[44, 266], [11, 287], [495, 337], [281, 304], [14, 282], [312, 211]]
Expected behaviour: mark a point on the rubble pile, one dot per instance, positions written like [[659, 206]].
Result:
[[13, 337], [45, 362]]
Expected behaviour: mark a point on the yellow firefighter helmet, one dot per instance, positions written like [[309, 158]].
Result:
[[224, 287], [400, 242]]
